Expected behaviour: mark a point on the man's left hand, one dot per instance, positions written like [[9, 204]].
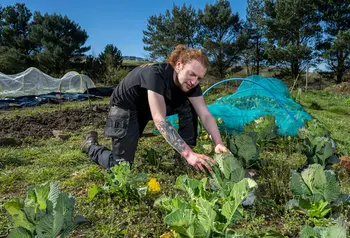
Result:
[[220, 148]]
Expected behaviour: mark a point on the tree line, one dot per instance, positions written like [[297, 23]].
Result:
[[289, 35], [54, 44], [285, 34]]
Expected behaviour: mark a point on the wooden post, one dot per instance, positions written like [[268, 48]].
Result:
[[307, 76]]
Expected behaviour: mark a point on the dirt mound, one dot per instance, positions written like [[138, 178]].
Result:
[[41, 125], [342, 88]]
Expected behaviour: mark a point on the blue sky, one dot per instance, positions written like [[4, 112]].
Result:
[[117, 22]]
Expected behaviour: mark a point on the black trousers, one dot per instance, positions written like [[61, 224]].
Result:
[[126, 126]]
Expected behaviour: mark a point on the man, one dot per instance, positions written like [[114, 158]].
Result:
[[154, 91]]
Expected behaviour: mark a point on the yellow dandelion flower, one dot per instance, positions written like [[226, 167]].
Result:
[[153, 185], [170, 234]]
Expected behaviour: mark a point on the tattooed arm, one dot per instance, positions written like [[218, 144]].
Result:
[[158, 110], [171, 136]]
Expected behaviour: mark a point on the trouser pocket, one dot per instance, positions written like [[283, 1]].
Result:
[[117, 122]]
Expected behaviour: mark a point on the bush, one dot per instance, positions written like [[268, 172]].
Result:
[[113, 76]]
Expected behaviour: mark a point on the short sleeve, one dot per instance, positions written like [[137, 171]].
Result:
[[152, 79]]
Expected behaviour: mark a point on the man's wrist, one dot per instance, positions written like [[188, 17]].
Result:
[[219, 143], [186, 153]]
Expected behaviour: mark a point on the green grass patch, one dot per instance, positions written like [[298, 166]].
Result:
[[32, 111], [61, 161]]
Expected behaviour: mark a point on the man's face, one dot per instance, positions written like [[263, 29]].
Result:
[[188, 75]]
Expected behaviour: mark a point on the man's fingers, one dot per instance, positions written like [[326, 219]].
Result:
[[199, 167], [210, 159], [206, 166], [204, 169]]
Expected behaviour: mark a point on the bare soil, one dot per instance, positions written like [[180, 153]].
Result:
[[15, 130]]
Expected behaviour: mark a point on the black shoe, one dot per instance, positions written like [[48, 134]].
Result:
[[91, 138]]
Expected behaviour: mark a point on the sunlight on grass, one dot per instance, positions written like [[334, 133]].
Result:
[[39, 161]]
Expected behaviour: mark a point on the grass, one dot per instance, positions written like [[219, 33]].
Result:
[[334, 113], [63, 162], [31, 111], [134, 62]]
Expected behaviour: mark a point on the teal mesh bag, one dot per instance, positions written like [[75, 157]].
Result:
[[256, 97]]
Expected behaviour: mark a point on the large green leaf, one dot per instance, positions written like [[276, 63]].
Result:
[[225, 191], [336, 232], [31, 215], [191, 186], [230, 167], [247, 149], [297, 185], [180, 219], [65, 207], [216, 180], [219, 158], [237, 174], [14, 207], [18, 216], [54, 193], [206, 214], [42, 193], [191, 232], [323, 232], [238, 193], [202, 192], [79, 220], [322, 185], [240, 190], [308, 232], [228, 210], [19, 233], [50, 225], [171, 204], [31, 199], [314, 178], [332, 188], [325, 152]]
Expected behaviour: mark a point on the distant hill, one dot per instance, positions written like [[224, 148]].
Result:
[[134, 58]]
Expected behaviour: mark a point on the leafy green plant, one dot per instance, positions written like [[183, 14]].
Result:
[[244, 147], [263, 128], [209, 208], [257, 134], [323, 232], [120, 180], [46, 212], [318, 145], [316, 191], [228, 169], [152, 157], [318, 209]]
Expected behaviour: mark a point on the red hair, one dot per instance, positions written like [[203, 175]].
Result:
[[185, 55]]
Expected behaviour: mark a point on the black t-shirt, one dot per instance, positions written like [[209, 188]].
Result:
[[131, 93]]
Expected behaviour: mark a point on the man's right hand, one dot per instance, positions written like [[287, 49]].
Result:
[[200, 162]]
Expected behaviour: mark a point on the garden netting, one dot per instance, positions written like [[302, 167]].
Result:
[[256, 97], [34, 82]]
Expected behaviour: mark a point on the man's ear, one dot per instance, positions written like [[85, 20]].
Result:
[[178, 65]]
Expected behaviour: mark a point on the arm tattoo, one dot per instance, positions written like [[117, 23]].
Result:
[[171, 135]]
